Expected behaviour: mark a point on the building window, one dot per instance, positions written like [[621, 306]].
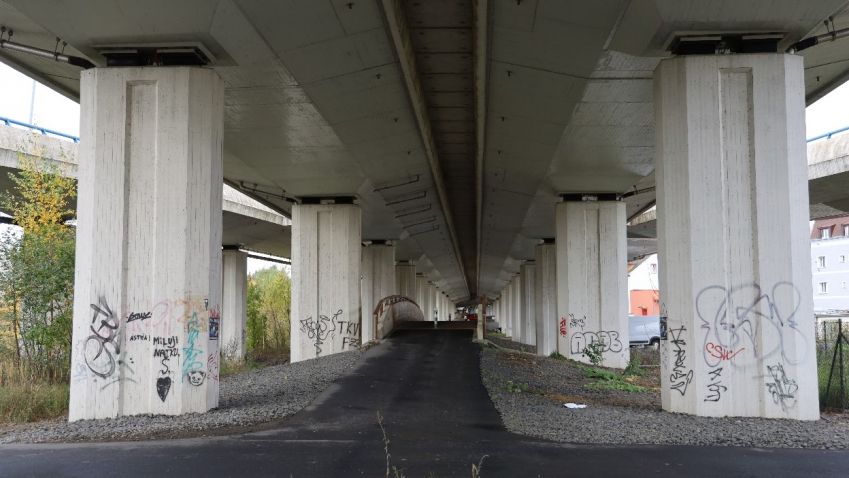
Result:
[[843, 284], [823, 287], [821, 262], [846, 230], [653, 268], [825, 232], [842, 258]]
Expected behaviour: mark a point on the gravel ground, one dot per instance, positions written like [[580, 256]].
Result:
[[248, 398], [620, 418], [502, 341]]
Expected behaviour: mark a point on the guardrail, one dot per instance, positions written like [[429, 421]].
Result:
[[829, 134], [45, 131]]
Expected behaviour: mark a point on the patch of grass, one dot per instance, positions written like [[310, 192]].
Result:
[[634, 367], [32, 402], [600, 373], [513, 387], [609, 380], [557, 356], [620, 385]]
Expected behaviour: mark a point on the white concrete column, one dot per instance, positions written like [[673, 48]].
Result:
[[421, 288], [516, 309], [377, 283], [734, 247], [148, 256], [592, 280], [234, 312], [528, 291], [405, 278], [545, 298], [508, 309], [326, 254]]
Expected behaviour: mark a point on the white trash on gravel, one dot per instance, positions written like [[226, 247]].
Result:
[[574, 405]]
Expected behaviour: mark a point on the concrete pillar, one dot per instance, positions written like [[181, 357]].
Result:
[[592, 281], [326, 254], [377, 283], [516, 310], [528, 291], [508, 309], [405, 278], [234, 304], [421, 288], [545, 298], [734, 244], [148, 256]]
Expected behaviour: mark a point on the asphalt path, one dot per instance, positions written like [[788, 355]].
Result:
[[438, 420]]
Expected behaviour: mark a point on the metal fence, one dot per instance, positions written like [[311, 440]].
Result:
[[833, 364]]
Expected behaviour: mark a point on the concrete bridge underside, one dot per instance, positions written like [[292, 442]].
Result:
[[470, 152]]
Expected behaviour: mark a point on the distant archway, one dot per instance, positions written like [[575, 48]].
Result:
[[392, 309]]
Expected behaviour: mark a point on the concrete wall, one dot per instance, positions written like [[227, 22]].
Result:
[[528, 311], [326, 255], [234, 304], [405, 278], [734, 244], [545, 298], [377, 282], [592, 280], [148, 259]]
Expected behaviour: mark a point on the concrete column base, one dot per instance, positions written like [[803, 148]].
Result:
[[592, 285], [733, 237], [326, 254], [378, 282], [147, 292], [234, 304], [545, 298]]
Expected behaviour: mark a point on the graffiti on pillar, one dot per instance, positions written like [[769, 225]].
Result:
[[563, 329], [193, 366], [719, 352], [749, 318], [212, 366], [782, 388], [164, 349], [319, 331], [102, 349], [575, 322], [350, 332], [214, 324], [681, 375], [609, 341], [715, 387], [134, 316]]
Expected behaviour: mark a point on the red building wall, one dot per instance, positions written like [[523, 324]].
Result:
[[645, 302]]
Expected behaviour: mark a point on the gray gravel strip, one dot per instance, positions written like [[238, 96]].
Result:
[[537, 415], [248, 398], [509, 344]]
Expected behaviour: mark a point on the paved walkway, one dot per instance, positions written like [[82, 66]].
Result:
[[439, 420]]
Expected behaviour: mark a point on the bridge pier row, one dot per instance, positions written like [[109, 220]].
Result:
[[592, 280], [326, 265], [234, 311], [421, 298], [405, 279], [516, 307], [527, 288], [545, 298], [733, 237], [508, 308], [377, 283], [147, 291]]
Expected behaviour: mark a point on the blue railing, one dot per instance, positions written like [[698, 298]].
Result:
[[829, 134], [10, 122]]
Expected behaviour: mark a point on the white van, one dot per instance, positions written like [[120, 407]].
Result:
[[644, 330]]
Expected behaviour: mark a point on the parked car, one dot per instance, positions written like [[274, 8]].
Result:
[[644, 330], [492, 325]]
